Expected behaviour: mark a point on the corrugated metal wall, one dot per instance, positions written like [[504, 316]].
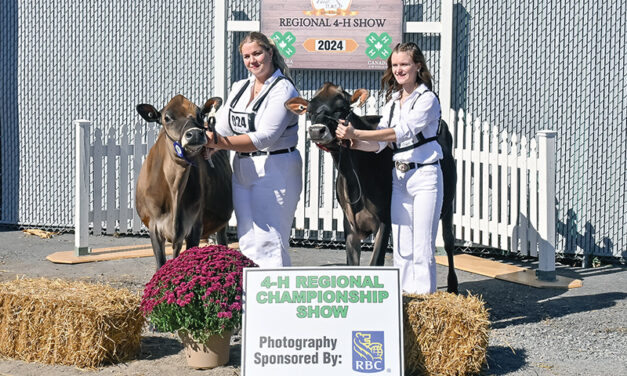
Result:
[[522, 66]]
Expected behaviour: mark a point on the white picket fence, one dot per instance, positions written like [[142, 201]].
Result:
[[505, 188], [106, 174]]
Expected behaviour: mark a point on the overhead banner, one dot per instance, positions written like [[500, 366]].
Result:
[[322, 321], [334, 34]]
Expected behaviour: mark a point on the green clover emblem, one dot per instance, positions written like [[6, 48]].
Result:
[[378, 46], [284, 43]]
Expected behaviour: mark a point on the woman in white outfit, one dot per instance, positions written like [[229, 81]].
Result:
[[267, 167], [409, 126]]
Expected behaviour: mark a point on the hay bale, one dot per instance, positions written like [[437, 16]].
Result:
[[444, 334], [70, 323]]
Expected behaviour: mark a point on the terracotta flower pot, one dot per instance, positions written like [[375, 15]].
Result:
[[213, 353]]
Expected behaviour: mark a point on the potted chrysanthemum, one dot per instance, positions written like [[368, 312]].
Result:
[[199, 295]]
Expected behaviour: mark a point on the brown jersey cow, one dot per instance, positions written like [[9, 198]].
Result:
[[180, 195], [364, 181]]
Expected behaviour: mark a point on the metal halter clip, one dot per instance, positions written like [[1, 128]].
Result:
[[402, 166]]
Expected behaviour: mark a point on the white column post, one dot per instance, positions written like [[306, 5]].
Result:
[[220, 52], [81, 188], [546, 207], [446, 59]]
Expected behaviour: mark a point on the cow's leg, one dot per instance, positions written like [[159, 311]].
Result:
[[179, 223], [221, 237], [193, 239], [353, 245], [158, 247], [177, 244], [176, 249], [449, 246], [381, 241]]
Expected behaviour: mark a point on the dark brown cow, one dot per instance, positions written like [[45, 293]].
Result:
[[364, 182], [181, 196]]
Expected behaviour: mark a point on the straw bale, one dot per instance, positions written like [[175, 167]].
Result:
[[444, 334], [69, 323], [41, 233]]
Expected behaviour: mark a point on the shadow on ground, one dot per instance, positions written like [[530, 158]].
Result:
[[155, 347], [503, 360], [514, 304]]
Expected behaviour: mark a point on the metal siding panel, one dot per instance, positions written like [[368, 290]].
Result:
[[528, 66], [97, 69]]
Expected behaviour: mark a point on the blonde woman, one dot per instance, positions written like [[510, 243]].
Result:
[[267, 167]]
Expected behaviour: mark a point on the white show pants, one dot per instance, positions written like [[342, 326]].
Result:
[[266, 190], [416, 206]]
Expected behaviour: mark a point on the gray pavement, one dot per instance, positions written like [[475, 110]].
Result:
[[534, 331]]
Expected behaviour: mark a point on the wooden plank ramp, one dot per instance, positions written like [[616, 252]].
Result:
[[111, 253], [507, 272]]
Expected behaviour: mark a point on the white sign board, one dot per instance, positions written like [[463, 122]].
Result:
[[322, 321]]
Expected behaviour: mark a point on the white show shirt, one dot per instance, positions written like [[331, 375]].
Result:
[[272, 119], [408, 122]]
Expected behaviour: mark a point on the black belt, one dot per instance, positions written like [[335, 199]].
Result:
[[406, 166], [256, 153]]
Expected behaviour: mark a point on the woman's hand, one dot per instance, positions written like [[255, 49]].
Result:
[[344, 132], [213, 143]]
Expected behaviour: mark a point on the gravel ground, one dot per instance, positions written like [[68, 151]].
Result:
[[534, 331]]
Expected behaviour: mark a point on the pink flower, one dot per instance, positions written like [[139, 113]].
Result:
[[235, 306], [223, 314], [206, 281]]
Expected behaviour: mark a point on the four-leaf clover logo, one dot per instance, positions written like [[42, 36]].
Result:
[[378, 45], [284, 43]]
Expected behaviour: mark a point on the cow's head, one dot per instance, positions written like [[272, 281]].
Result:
[[328, 105], [182, 121]]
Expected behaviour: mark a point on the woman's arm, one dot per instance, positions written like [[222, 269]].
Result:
[[348, 132], [364, 145], [425, 112], [241, 142]]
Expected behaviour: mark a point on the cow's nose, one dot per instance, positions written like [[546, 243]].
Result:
[[190, 134], [318, 133], [194, 136]]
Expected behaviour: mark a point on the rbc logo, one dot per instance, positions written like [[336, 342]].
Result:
[[368, 356]]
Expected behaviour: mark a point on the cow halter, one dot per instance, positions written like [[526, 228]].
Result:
[[344, 146], [178, 148]]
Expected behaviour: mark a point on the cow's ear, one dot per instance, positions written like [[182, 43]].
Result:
[[149, 113], [361, 95], [297, 105], [212, 103]]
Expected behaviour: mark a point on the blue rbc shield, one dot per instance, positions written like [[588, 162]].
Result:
[[368, 352]]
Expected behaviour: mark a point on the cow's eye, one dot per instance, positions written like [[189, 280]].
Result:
[[168, 118]]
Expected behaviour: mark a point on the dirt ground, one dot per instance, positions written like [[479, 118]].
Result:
[[534, 331]]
